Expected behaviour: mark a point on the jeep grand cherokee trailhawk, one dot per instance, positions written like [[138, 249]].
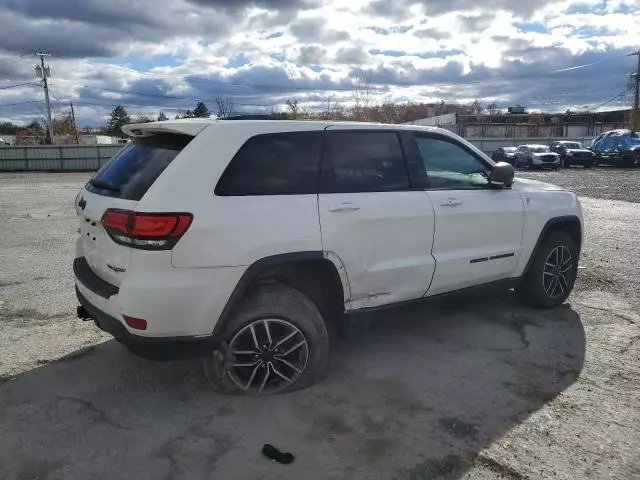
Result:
[[241, 240]]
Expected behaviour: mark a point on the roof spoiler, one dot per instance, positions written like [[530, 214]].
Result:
[[153, 128]]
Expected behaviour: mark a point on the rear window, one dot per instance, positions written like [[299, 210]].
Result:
[[132, 171], [274, 164]]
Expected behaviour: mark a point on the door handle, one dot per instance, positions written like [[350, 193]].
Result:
[[450, 202], [344, 207]]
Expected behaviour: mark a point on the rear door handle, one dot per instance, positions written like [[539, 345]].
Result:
[[450, 202], [344, 207]]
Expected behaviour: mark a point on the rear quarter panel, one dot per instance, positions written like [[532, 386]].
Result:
[[231, 231]]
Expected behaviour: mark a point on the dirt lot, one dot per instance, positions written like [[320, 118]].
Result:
[[475, 389]]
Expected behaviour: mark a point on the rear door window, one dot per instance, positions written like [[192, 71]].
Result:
[[274, 164], [363, 162], [132, 171]]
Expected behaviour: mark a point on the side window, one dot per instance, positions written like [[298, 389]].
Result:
[[274, 164], [363, 162], [450, 166]]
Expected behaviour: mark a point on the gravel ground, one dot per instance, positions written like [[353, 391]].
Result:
[[604, 182], [480, 388]]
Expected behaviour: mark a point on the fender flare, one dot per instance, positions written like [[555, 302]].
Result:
[[256, 268], [545, 230]]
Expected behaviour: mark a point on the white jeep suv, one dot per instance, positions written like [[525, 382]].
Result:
[[240, 240]]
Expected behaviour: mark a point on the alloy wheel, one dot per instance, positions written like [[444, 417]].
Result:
[[270, 354], [557, 268]]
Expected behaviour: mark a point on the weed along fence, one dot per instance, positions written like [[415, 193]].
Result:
[[69, 158], [55, 158]]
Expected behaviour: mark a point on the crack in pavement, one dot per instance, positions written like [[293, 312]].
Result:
[[630, 317], [102, 415]]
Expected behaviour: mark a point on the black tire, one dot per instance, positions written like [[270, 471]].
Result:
[[588, 164], [278, 304], [564, 162], [533, 290]]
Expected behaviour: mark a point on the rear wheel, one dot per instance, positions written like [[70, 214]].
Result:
[[277, 342], [552, 274]]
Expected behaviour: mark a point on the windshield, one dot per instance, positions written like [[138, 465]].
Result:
[[539, 149], [574, 146]]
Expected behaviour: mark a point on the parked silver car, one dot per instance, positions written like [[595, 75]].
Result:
[[536, 156]]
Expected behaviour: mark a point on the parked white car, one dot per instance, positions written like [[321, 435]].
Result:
[[240, 240], [536, 156]]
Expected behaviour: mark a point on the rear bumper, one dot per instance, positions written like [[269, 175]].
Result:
[[152, 348]]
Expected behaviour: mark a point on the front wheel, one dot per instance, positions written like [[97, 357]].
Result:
[[564, 161], [277, 342], [552, 274]]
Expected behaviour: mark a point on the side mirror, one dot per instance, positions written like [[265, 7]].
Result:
[[502, 174]]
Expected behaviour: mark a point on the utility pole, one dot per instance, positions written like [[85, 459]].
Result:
[[75, 128], [635, 116], [43, 71]]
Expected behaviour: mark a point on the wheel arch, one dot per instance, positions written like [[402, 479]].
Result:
[[319, 275], [569, 224]]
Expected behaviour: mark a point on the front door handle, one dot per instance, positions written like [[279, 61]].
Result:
[[344, 207], [450, 202]]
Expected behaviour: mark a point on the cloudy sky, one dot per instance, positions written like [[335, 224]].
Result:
[[153, 55]]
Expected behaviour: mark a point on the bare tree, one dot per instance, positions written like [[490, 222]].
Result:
[[224, 106], [294, 108], [493, 108], [362, 97]]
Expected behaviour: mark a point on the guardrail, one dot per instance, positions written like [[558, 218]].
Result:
[[74, 158], [55, 158]]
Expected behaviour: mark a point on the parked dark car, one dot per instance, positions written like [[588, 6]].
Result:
[[505, 154], [617, 147], [573, 153]]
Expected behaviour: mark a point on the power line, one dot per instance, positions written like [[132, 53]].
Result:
[[18, 85], [19, 103], [623, 93]]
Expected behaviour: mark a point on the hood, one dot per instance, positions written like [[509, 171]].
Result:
[[538, 154], [578, 150], [524, 184]]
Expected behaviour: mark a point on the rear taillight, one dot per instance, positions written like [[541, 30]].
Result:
[[147, 231]]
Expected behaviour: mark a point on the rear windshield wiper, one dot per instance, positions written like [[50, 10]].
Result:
[[103, 185]]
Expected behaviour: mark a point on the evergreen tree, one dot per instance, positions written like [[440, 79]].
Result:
[[118, 118], [201, 111]]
